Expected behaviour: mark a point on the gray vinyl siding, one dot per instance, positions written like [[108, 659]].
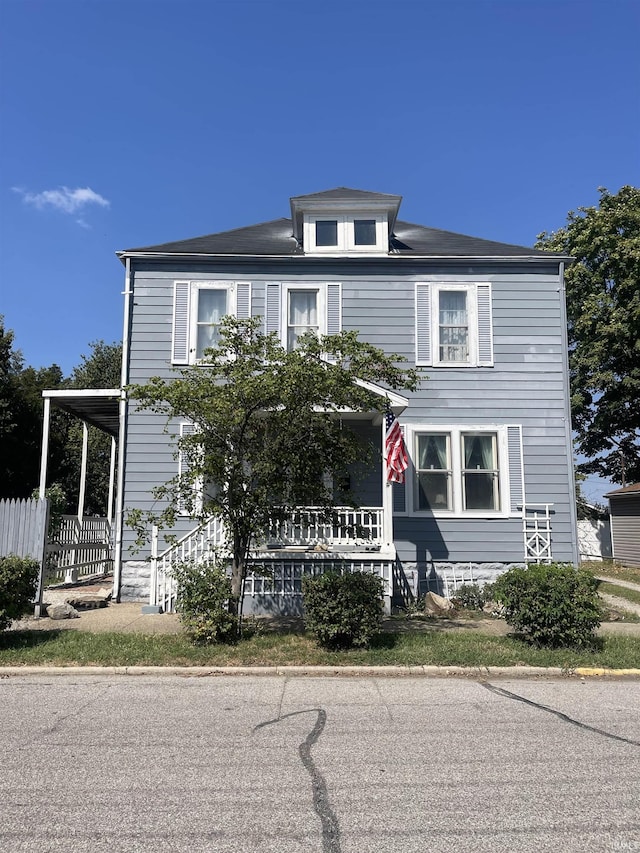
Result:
[[625, 528], [527, 384]]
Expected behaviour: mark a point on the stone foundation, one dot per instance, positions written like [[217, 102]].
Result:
[[443, 577], [135, 580]]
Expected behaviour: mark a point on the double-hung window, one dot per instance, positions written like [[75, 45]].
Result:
[[293, 309], [303, 314], [198, 309], [480, 473], [433, 471], [464, 471], [454, 326], [210, 306]]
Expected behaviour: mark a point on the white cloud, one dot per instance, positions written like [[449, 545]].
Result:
[[63, 199]]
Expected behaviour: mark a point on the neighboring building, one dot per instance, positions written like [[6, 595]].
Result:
[[625, 524], [490, 482]]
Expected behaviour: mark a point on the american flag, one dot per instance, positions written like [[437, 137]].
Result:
[[397, 461]]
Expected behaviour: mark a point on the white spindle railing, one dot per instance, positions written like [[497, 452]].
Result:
[[307, 528], [197, 546]]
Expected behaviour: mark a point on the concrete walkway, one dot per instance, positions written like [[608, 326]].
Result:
[[618, 602]]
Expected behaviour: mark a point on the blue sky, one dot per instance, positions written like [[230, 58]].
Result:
[[137, 122]]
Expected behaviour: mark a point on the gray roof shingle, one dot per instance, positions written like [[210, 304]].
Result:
[[276, 238]]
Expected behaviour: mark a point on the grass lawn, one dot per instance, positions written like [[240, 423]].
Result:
[[610, 569], [68, 648]]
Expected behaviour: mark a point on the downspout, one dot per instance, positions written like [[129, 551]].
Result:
[[122, 433], [567, 418]]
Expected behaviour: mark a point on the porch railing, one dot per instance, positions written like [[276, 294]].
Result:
[[79, 549], [347, 528]]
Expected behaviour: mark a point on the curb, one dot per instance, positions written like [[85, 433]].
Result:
[[478, 673]]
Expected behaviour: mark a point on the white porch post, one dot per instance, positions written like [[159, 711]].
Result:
[[387, 494], [45, 447], [83, 472], [112, 478]]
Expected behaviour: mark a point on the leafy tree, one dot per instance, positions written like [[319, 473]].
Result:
[[21, 414], [21, 419], [268, 429], [603, 307]]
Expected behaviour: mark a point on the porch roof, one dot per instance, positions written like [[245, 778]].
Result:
[[96, 406]]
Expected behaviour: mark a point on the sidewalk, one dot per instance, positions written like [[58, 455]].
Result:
[[129, 619]]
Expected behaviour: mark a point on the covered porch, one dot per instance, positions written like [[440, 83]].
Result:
[[309, 540], [81, 547]]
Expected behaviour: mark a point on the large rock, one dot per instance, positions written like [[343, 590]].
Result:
[[436, 604], [63, 610]]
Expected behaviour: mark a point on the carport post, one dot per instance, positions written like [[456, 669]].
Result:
[[112, 477], [83, 472], [45, 447]]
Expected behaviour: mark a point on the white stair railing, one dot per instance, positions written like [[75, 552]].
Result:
[[196, 546]]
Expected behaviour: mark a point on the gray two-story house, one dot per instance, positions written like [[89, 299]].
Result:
[[488, 435]]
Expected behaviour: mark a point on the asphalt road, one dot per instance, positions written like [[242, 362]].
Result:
[[320, 765]]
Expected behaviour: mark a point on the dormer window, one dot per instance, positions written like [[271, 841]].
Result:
[[326, 232], [364, 232], [345, 234]]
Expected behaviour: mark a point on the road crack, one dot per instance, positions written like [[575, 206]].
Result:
[[320, 794], [507, 694]]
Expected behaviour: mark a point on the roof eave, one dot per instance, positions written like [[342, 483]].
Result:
[[123, 255]]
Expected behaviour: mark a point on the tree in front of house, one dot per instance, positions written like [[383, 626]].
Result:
[[268, 435], [603, 308]]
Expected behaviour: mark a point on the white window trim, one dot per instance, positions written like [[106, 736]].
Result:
[[320, 288], [472, 322], [189, 307], [455, 431], [433, 323], [346, 234]]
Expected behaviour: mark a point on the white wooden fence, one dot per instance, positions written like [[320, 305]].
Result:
[[79, 549], [594, 538], [23, 528]]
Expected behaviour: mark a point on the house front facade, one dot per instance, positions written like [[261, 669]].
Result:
[[488, 434]]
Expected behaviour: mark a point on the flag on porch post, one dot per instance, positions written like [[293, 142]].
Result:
[[397, 461]]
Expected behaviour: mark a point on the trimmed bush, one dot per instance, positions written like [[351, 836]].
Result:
[[552, 605], [203, 597], [18, 585], [343, 610]]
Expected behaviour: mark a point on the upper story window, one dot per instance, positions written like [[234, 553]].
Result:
[[454, 324], [303, 314], [346, 233], [198, 308], [294, 308], [211, 304]]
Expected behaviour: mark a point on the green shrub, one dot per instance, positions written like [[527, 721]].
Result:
[[553, 605], [203, 595], [471, 596], [18, 585], [343, 610]]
